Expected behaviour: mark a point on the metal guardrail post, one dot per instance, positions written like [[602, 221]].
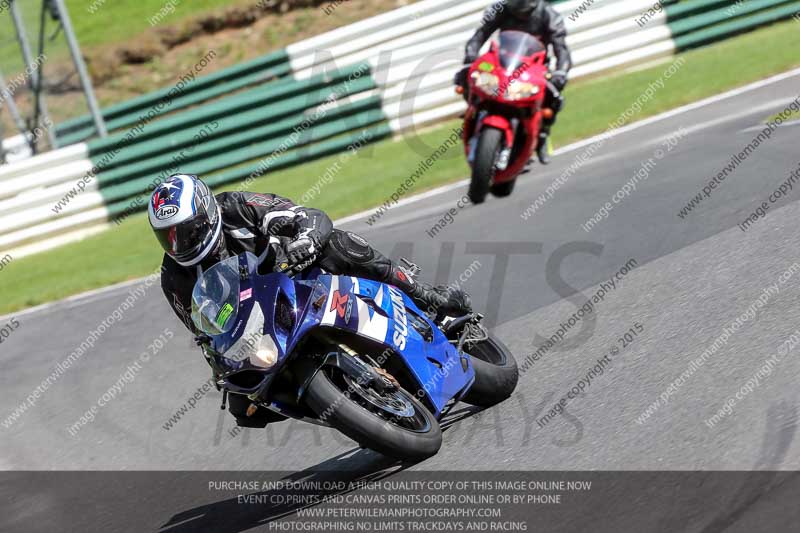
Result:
[[86, 81], [27, 57], [8, 99]]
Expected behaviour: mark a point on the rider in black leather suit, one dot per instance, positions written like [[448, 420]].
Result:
[[541, 20], [197, 229]]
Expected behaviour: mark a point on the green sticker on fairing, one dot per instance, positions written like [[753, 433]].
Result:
[[486, 67], [224, 314]]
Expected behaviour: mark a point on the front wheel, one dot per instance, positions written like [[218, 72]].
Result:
[[501, 190], [484, 167], [391, 422], [496, 373]]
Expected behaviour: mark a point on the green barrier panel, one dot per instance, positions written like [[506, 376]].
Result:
[[237, 103], [231, 123], [185, 139], [176, 104], [228, 125], [142, 102], [165, 164], [687, 8], [716, 16], [330, 147], [243, 155], [739, 25]]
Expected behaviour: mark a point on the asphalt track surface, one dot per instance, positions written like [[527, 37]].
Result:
[[694, 277]]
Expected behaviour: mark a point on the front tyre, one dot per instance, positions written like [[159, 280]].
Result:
[[501, 190], [392, 422], [496, 373], [484, 166]]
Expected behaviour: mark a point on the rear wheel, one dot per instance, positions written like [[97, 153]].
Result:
[[504, 189], [484, 166], [496, 373], [391, 422]]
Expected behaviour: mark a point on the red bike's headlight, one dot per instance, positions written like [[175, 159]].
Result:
[[519, 90], [486, 82]]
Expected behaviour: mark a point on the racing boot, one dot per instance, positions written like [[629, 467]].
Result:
[[437, 302], [543, 148]]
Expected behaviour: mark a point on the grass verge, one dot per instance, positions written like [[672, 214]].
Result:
[[130, 251], [98, 22]]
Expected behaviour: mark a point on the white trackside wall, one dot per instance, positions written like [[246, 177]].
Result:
[[30, 188]]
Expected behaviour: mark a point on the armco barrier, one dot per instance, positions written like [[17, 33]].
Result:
[[197, 91], [387, 75], [43, 162], [254, 107], [693, 23], [126, 182]]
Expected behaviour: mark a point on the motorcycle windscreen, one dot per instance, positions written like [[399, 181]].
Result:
[[515, 47], [216, 295]]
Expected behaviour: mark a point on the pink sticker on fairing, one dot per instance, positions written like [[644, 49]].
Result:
[[245, 295]]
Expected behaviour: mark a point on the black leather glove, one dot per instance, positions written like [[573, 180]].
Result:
[[203, 341], [559, 79], [303, 250], [460, 78]]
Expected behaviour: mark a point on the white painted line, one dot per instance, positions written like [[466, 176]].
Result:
[[680, 110], [44, 245], [405, 201], [760, 127], [588, 142], [88, 296], [436, 209], [730, 118], [631, 148], [745, 112]]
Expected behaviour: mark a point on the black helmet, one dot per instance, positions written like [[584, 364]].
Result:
[[522, 9], [185, 218]]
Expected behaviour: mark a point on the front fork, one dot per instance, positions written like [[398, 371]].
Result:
[[505, 154], [349, 362]]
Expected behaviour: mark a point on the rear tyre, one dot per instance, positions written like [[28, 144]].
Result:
[[501, 190], [496, 373], [483, 168], [373, 419]]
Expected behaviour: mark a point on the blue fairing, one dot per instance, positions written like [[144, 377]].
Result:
[[292, 307]]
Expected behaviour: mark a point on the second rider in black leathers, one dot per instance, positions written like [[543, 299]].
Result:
[[542, 21]]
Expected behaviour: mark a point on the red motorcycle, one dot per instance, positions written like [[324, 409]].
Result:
[[507, 88]]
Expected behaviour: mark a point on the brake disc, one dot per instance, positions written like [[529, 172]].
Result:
[[391, 402]]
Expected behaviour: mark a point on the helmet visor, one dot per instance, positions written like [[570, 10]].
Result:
[[187, 241]]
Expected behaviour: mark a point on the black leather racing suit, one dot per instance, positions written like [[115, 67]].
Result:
[[546, 24], [251, 222]]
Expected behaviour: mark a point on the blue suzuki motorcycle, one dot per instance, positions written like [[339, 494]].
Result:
[[344, 352]]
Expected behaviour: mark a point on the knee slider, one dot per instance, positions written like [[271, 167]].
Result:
[[353, 247]]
